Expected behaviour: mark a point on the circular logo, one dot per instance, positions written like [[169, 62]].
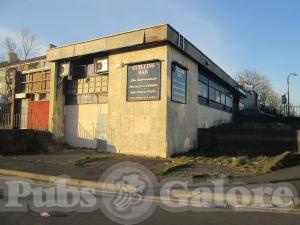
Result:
[[128, 203]]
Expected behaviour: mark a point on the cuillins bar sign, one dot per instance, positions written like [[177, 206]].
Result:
[[143, 81]]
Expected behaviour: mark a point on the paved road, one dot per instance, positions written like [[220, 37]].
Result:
[[160, 216]]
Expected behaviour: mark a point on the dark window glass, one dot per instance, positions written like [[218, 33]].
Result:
[[218, 96], [202, 89], [223, 99], [229, 101], [212, 94]]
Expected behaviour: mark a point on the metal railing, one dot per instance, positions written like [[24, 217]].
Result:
[[5, 120], [21, 121], [283, 110]]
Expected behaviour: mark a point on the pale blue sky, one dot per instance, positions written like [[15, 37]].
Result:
[[237, 34]]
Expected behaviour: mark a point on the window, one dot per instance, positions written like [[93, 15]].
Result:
[[241, 106], [202, 89], [229, 101], [34, 82], [213, 94], [223, 99], [202, 86], [218, 96]]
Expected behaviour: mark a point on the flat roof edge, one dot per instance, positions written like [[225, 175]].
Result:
[[184, 45], [107, 36], [111, 42], [139, 37]]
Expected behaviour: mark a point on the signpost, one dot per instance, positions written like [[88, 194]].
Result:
[[143, 81]]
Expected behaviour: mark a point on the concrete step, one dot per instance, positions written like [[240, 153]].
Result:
[[55, 148], [48, 143]]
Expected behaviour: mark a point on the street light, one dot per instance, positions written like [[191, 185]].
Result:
[[288, 93]]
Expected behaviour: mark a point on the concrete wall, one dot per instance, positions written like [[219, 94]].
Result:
[[208, 117], [84, 124], [2, 86], [184, 119], [136, 128], [56, 105], [139, 127]]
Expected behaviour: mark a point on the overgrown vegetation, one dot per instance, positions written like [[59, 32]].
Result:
[[219, 166]]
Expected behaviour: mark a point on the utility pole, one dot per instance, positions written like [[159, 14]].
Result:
[[288, 93]]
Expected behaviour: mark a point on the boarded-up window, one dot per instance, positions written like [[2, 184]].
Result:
[[88, 90], [36, 82], [93, 84]]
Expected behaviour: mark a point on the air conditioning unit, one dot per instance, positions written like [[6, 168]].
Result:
[[101, 65], [64, 69]]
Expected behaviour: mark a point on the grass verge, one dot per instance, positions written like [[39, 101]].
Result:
[[197, 166]]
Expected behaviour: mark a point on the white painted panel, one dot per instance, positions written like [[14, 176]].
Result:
[[86, 125], [24, 113], [208, 117]]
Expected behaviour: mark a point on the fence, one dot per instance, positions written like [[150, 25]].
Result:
[[5, 120], [20, 121], [283, 110]]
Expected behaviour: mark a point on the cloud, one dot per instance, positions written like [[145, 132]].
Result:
[[7, 33]]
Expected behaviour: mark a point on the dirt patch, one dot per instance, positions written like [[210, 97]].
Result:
[[66, 158], [153, 164]]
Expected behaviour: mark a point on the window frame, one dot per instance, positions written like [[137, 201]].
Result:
[[217, 94]]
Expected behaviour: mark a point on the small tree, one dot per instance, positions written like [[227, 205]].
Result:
[[28, 43], [10, 45], [24, 46], [261, 84]]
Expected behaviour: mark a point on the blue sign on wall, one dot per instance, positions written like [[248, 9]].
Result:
[[179, 84], [143, 81]]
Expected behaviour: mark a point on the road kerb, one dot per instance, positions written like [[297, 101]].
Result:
[[175, 193], [68, 181], [233, 200]]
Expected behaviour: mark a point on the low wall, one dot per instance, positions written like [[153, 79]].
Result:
[[292, 122], [248, 141], [18, 142]]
